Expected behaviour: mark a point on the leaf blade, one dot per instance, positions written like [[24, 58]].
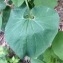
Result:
[[48, 3], [31, 32], [57, 45], [0, 21], [18, 2], [2, 5]]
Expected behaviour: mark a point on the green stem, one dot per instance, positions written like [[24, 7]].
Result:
[[26, 1]]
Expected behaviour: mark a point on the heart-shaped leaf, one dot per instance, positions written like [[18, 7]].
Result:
[[49, 3], [17, 2], [57, 45], [31, 34]]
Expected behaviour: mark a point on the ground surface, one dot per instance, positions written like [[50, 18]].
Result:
[[59, 9]]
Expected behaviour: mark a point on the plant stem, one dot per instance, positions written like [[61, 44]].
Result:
[[26, 1]]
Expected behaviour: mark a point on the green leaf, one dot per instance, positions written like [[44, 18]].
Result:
[[2, 55], [48, 56], [0, 21], [36, 61], [14, 60], [5, 17], [57, 45], [2, 5], [2, 51], [31, 34], [49, 3], [17, 2], [3, 61]]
